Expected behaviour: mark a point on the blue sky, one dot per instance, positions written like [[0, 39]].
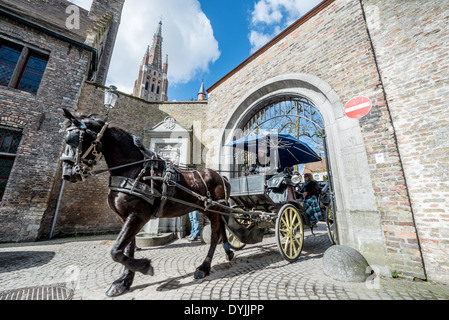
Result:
[[204, 39]]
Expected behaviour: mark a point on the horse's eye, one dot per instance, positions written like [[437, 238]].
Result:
[[73, 138]]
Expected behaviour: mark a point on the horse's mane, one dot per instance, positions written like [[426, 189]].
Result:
[[137, 142], [140, 145]]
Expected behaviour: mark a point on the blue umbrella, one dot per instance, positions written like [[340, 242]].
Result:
[[290, 151]]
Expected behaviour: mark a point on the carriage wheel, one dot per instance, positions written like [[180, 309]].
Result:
[[290, 233], [235, 243], [331, 225]]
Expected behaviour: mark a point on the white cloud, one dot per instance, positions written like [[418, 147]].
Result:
[[258, 39], [269, 17], [266, 12], [188, 40]]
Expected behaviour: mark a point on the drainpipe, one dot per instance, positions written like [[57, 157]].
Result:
[[55, 218]]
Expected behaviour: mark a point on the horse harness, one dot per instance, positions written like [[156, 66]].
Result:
[[134, 187], [169, 178]]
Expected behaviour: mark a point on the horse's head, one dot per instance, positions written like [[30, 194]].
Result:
[[83, 146]]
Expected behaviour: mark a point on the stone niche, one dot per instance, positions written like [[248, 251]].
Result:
[[172, 142]]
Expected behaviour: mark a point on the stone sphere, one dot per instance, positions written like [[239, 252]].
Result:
[[345, 264], [206, 234]]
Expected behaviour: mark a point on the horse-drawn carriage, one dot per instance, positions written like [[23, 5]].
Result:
[[260, 203], [143, 186], [275, 201]]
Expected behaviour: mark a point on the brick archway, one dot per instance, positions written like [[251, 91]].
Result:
[[347, 156]]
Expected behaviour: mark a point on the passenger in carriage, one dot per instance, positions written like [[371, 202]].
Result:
[[311, 190], [263, 163], [310, 187]]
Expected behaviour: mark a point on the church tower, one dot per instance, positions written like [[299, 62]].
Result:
[[152, 82], [202, 93]]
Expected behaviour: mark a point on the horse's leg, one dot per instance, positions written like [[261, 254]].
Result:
[[224, 237], [129, 231], [123, 284], [204, 270]]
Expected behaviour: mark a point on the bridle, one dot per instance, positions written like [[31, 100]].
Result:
[[83, 166], [75, 139]]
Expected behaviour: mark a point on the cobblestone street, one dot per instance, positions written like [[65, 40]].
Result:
[[257, 273]]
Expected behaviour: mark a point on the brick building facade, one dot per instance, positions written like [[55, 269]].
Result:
[[411, 46], [395, 52], [34, 30]]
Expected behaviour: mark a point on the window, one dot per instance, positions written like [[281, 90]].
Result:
[[9, 57], [21, 67], [32, 74], [152, 87], [9, 144]]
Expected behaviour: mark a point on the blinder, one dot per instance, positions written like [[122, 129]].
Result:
[[74, 151], [73, 137]]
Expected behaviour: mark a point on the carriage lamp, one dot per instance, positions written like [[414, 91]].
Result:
[[296, 179], [110, 97]]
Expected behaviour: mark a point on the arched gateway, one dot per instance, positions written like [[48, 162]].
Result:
[[358, 217]]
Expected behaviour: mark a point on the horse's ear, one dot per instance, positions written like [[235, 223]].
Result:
[[68, 114], [71, 117]]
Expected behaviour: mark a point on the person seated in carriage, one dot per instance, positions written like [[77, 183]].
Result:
[[310, 191], [263, 164]]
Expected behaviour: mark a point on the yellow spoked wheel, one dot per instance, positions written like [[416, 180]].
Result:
[[235, 243], [290, 233]]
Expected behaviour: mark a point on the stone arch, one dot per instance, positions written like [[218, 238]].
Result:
[[358, 217]]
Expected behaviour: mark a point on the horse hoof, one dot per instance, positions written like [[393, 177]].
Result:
[[230, 256], [148, 270], [200, 274], [117, 290]]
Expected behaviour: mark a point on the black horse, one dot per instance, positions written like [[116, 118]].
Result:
[[127, 159]]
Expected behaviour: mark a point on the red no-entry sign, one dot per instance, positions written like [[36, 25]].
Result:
[[358, 107]]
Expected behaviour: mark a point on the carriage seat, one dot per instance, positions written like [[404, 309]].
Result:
[[277, 186]]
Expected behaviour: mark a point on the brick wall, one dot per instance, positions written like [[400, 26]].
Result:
[[29, 203], [333, 45], [28, 195], [411, 42], [84, 208]]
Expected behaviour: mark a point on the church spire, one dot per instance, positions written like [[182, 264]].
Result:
[[146, 57], [155, 54]]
